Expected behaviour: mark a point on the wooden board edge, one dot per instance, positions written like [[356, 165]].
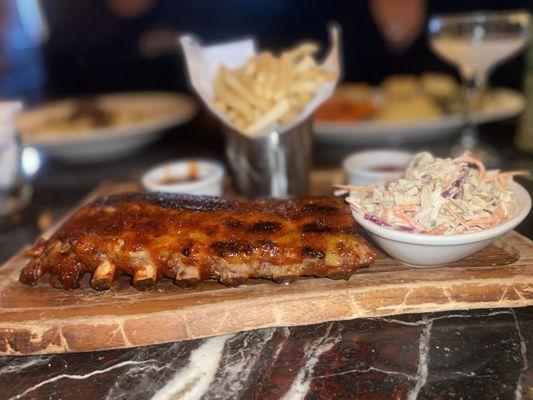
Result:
[[118, 332]]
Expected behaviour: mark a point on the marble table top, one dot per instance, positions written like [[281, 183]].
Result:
[[456, 355], [459, 355]]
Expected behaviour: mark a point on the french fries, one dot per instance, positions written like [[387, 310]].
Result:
[[269, 89]]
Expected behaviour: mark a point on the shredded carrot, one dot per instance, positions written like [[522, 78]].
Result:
[[438, 230], [499, 212], [469, 158], [453, 213], [503, 177], [408, 220], [492, 175], [482, 222], [408, 207]]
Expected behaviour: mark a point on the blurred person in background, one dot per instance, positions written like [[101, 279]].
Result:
[[98, 46], [22, 31], [113, 45]]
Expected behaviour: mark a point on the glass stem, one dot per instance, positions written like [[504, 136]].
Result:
[[469, 134]]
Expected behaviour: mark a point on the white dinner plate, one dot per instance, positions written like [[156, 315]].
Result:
[[162, 110], [505, 103]]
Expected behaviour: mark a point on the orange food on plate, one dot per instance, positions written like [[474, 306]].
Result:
[[342, 109]]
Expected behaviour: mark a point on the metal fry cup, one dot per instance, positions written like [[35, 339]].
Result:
[[271, 165]]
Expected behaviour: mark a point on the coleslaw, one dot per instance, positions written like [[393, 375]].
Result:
[[437, 196]]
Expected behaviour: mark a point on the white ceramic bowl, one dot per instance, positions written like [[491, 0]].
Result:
[[361, 167], [209, 178], [421, 251]]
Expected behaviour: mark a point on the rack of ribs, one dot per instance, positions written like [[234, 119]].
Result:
[[194, 238]]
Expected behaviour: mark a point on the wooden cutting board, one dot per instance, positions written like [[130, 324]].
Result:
[[41, 320]]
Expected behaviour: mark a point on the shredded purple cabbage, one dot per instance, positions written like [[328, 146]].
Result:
[[381, 222], [453, 190], [376, 220], [447, 193], [406, 229], [461, 180]]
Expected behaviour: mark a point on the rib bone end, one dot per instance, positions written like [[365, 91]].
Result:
[[103, 276], [145, 276], [187, 276]]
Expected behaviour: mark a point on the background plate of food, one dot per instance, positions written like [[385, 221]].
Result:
[[405, 108], [104, 126]]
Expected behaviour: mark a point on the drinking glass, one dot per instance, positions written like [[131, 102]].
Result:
[[14, 191], [475, 43]]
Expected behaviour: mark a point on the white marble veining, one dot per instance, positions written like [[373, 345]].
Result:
[[231, 366], [447, 316], [423, 360], [191, 382], [366, 370], [20, 364], [121, 390], [75, 377], [312, 353], [285, 333], [523, 352], [236, 367]]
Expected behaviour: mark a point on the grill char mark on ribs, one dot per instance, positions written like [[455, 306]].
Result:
[[192, 238]]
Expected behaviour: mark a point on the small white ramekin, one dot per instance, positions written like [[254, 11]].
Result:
[[209, 181], [358, 166], [421, 251]]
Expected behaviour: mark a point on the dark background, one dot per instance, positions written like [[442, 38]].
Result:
[[91, 47]]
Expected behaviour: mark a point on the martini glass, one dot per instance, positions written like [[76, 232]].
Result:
[[475, 43]]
